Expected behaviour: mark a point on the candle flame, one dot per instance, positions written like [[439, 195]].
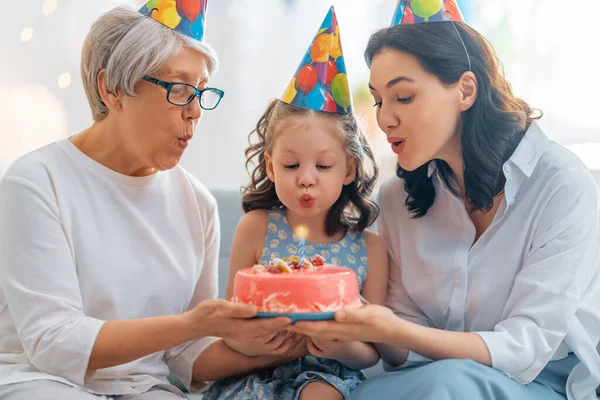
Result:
[[301, 232]]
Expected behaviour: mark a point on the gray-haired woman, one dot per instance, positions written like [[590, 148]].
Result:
[[108, 249]]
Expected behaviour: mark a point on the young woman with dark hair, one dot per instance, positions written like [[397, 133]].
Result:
[[491, 229]]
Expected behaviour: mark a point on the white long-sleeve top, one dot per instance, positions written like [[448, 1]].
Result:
[[81, 244], [529, 286]]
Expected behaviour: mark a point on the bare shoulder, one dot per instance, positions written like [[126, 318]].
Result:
[[247, 245], [254, 221], [251, 232], [375, 287], [377, 252], [375, 244]]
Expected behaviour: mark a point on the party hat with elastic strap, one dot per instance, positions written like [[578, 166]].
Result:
[[320, 82], [184, 16], [421, 11]]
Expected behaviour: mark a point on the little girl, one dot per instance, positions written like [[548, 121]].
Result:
[[314, 168]]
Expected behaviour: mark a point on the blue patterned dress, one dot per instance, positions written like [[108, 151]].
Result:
[[285, 381]]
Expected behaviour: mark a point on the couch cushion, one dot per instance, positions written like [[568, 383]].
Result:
[[229, 202]]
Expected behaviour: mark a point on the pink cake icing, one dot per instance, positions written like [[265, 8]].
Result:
[[314, 288]]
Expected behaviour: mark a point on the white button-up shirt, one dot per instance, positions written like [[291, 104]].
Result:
[[81, 244], [529, 286]]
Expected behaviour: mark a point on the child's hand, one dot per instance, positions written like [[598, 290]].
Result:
[[297, 350], [332, 349], [275, 344]]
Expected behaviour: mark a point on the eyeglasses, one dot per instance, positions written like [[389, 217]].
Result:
[[181, 94]]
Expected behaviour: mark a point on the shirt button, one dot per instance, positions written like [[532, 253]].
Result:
[[507, 169]]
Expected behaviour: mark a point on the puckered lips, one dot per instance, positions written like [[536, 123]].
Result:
[[306, 200], [183, 141], [397, 143]]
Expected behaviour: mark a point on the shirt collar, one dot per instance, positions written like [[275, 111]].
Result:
[[431, 168], [529, 151], [525, 158]]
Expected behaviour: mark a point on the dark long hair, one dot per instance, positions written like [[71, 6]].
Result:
[[354, 210], [491, 129]]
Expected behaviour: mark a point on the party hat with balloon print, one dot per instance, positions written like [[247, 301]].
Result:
[[184, 16], [420, 11], [320, 82]]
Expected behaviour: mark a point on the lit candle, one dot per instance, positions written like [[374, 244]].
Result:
[[301, 233]]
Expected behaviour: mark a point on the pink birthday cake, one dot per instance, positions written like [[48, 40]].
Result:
[[285, 286]]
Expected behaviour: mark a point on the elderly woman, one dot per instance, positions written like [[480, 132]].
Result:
[[108, 249], [492, 230]]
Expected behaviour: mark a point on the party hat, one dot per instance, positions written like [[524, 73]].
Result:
[[320, 82], [184, 16], [420, 11]]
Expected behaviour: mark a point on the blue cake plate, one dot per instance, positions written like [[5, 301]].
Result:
[[316, 316]]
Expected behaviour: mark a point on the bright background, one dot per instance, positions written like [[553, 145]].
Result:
[[549, 49]]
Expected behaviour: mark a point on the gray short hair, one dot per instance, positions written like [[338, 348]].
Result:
[[130, 45]]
